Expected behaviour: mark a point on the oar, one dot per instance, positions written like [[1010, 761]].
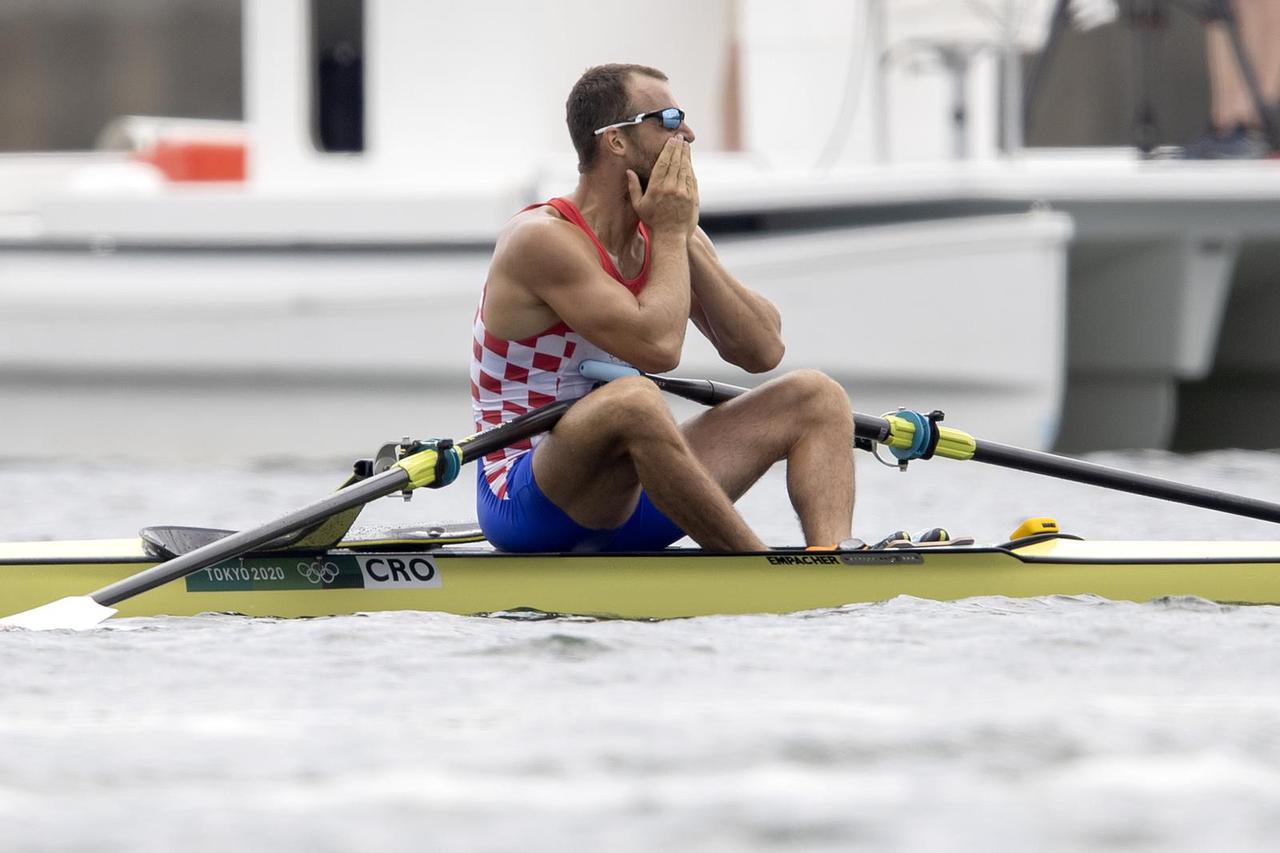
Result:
[[910, 435], [412, 472]]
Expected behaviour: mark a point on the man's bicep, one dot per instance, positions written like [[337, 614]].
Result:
[[574, 286]]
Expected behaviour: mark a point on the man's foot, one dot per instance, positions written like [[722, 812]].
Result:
[[1237, 143]]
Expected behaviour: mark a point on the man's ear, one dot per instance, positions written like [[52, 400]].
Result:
[[614, 143]]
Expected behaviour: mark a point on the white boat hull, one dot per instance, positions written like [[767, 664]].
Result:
[[240, 347]]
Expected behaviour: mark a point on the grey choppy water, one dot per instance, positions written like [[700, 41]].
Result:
[[987, 724]]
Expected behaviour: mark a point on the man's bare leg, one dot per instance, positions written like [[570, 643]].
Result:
[[1266, 51], [593, 463], [1231, 102], [1228, 97], [803, 417]]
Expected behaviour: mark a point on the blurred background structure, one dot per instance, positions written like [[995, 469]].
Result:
[[248, 222], [71, 66]]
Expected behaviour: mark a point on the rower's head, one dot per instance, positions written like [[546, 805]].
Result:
[[604, 113]]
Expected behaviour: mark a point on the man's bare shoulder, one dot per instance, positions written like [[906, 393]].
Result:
[[539, 242], [542, 266]]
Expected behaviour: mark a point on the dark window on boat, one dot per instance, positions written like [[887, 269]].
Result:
[[337, 67], [68, 68]]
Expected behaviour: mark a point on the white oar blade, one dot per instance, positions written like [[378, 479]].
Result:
[[75, 613]]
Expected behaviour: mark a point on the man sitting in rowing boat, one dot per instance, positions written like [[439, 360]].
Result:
[[615, 272]]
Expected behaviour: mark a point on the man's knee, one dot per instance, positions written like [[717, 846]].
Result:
[[633, 406], [816, 391]]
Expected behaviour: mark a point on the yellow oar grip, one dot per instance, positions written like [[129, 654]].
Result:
[[952, 443], [421, 466], [955, 444], [902, 432]]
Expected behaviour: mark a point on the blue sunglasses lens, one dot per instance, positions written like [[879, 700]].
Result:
[[671, 118]]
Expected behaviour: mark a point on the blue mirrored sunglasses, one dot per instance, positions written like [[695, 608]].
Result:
[[671, 119]]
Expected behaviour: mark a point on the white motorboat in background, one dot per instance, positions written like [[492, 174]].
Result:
[[990, 286]]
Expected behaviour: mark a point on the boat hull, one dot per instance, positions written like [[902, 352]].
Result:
[[673, 583]]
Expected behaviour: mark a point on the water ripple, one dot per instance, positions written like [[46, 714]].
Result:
[[1061, 723]]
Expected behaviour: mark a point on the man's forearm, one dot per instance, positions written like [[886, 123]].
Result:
[[664, 302], [744, 326]]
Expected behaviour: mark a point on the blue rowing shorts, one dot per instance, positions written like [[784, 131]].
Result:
[[527, 521]]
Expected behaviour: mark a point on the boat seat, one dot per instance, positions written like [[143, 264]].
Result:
[[168, 541]]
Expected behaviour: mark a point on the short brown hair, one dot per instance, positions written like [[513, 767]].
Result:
[[599, 97]]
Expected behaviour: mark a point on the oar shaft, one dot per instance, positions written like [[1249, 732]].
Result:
[[392, 480], [959, 445], [705, 391], [1079, 471], [709, 392], [539, 420], [362, 492]]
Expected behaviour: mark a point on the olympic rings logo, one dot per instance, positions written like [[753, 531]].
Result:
[[319, 573]]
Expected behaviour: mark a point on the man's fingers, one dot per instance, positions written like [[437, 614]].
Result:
[[676, 170], [686, 166], [663, 166], [633, 189]]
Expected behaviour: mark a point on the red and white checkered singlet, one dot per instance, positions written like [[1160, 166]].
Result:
[[508, 378]]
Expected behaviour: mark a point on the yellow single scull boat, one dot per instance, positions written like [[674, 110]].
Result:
[[426, 573], [307, 564]]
